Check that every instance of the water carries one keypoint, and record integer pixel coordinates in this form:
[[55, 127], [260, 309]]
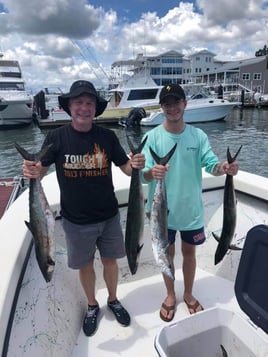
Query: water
[[248, 127]]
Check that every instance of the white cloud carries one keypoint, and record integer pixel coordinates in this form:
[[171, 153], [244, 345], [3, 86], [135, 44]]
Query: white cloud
[[44, 36]]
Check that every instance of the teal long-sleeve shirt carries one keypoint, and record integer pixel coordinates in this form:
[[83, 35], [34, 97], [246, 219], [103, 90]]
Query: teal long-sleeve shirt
[[184, 178]]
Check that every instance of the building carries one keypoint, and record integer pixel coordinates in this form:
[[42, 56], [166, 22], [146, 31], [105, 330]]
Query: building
[[201, 67]]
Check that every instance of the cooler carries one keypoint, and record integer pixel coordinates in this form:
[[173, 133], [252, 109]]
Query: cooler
[[220, 332]]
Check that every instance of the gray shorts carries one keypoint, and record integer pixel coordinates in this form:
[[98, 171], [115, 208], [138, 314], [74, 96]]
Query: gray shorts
[[83, 240]]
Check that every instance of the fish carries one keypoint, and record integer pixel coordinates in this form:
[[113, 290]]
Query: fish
[[135, 214], [229, 215], [224, 353], [42, 219], [159, 220]]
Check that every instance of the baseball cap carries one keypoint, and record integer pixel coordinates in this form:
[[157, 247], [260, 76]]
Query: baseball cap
[[172, 89]]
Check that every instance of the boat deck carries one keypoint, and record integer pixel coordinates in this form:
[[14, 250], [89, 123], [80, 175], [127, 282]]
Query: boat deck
[[9, 190], [143, 299], [48, 318]]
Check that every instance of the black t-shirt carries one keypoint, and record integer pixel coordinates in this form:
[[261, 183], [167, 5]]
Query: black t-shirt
[[83, 167]]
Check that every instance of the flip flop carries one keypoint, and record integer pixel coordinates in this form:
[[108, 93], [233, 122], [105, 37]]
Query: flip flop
[[194, 308], [167, 309]]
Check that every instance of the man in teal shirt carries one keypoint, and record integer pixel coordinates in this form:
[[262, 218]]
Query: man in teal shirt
[[183, 179]]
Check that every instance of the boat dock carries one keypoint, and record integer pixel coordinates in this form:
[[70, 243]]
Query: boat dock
[[9, 190]]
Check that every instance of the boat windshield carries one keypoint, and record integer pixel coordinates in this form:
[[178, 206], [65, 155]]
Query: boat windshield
[[142, 94]]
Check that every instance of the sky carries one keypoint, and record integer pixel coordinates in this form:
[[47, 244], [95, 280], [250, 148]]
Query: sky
[[60, 41]]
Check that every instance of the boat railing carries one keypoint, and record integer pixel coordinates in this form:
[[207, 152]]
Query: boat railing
[[17, 184]]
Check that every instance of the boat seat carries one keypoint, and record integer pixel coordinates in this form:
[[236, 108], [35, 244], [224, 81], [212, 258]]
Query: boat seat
[[251, 284]]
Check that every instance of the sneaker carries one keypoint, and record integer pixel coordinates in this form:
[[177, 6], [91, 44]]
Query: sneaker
[[90, 320], [121, 314]]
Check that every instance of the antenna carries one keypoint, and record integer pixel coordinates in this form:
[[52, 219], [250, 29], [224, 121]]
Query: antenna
[[81, 50]]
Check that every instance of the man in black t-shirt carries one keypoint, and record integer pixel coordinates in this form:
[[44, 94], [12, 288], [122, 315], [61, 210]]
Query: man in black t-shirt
[[83, 154]]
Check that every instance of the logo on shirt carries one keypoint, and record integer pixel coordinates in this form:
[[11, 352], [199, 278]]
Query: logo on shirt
[[87, 165]]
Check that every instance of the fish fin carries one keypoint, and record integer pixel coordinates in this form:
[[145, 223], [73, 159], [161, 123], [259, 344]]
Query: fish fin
[[28, 226], [234, 247], [163, 160], [139, 248], [224, 353], [231, 158], [50, 261], [215, 236]]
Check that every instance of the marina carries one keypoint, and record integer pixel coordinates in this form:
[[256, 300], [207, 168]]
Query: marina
[[129, 53], [248, 127], [140, 293]]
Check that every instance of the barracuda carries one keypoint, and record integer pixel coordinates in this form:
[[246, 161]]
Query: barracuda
[[135, 214], [159, 218], [42, 220], [229, 215]]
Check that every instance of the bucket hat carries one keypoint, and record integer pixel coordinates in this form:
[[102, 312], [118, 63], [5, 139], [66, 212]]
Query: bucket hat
[[78, 88], [172, 89]]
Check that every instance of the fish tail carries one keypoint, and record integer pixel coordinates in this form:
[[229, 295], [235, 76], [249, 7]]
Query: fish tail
[[136, 150], [169, 273], [231, 158], [163, 160], [32, 156]]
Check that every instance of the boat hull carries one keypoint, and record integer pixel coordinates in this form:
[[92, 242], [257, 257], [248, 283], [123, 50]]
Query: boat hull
[[119, 113], [207, 112], [14, 113]]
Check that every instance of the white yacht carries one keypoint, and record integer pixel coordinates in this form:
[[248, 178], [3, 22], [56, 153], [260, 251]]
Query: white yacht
[[134, 91], [201, 108], [15, 103]]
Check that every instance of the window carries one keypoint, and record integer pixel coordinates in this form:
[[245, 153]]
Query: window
[[171, 60], [11, 86], [257, 76], [171, 70], [136, 94], [245, 76], [155, 71]]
